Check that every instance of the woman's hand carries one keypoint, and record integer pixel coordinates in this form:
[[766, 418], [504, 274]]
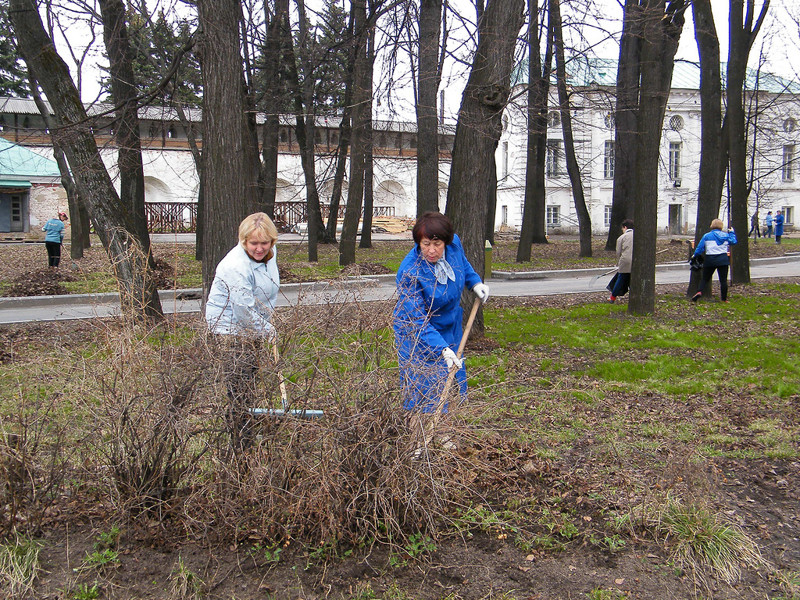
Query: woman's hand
[[481, 290], [451, 359]]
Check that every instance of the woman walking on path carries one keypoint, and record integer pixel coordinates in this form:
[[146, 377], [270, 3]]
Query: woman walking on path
[[716, 246], [622, 280], [768, 223], [54, 236]]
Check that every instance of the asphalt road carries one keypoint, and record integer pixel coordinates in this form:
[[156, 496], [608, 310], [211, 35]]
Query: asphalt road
[[539, 283]]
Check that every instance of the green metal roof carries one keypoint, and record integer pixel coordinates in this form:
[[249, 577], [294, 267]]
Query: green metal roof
[[584, 72], [16, 161]]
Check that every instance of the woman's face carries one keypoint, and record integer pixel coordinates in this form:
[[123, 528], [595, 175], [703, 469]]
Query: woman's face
[[257, 247], [432, 250]]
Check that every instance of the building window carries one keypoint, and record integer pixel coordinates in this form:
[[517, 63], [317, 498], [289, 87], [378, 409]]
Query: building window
[[789, 125], [553, 163], [675, 160], [676, 122], [610, 121], [504, 215], [608, 161], [553, 216], [787, 167], [788, 215], [553, 119], [607, 215], [505, 160]]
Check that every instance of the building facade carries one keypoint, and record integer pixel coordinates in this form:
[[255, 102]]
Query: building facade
[[171, 180]]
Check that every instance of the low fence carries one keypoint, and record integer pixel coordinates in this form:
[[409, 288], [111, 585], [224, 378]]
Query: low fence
[[181, 217]]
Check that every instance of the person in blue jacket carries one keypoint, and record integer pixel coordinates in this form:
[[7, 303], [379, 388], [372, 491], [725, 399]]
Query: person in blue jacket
[[54, 236], [427, 317], [715, 245], [768, 223], [778, 226]]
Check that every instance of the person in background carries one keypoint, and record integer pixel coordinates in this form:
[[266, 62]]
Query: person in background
[[427, 319], [624, 260], [754, 228], [778, 226], [239, 311], [54, 237], [768, 223], [715, 245]]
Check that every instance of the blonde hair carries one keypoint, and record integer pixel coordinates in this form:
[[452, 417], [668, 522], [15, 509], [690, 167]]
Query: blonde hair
[[258, 224], [717, 224]]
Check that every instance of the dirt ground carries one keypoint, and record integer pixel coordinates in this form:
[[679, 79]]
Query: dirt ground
[[762, 496]]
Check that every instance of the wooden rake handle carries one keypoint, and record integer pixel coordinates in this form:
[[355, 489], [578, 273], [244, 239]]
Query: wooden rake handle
[[284, 398], [451, 375]]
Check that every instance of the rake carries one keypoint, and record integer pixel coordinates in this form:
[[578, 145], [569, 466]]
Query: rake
[[285, 411]]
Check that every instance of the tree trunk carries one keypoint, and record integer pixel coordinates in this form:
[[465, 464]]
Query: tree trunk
[[197, 157], [534, 223], [712, 175], [369, 165], [126, 125], [229, 175], [114, 222], [430, 14], [661, 32], [306, 128], [625, 122], [742, 34], [573, 170], [272, 76], [67, 182], [479, 127], [360, 115]]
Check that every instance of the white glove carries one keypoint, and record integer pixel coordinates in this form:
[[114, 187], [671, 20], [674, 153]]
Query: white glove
[[481, 291], [451, 359]]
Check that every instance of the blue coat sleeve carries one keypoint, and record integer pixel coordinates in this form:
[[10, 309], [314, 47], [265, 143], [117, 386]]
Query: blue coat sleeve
[[412, 319], [471, 277]]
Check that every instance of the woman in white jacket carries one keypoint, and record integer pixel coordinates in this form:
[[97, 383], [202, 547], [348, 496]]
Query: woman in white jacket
[[624, 261], [239, 314]]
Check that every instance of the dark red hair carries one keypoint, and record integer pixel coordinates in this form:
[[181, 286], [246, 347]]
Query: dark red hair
[[434, 226]]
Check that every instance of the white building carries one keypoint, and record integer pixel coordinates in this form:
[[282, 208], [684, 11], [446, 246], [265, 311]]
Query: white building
[[774, 114]]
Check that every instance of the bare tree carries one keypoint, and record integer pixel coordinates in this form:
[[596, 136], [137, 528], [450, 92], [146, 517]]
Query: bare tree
[[428, 77], [230, 160], [113, 219], [743, 32], [713, 142], [479, 126], [573, 170], [126, 124], [661, 27], [625, 121], [534, 226]]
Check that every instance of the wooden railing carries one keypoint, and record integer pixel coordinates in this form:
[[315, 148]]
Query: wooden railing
[[181, 217]]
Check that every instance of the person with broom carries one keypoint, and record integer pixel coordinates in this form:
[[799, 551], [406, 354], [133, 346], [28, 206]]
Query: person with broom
[[427, 317], [238, 313]]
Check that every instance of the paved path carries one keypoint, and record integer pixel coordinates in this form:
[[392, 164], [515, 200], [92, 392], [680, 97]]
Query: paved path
[[538, 283]]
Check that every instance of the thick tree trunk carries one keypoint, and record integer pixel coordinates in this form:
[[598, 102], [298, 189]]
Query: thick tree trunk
[[430, 14], [230, 160], [573, 170], [126, 125], [742, 34], [534, 223], [479, 127], [369, 166], [360, 115], [660, 35], [625, 122], [112, 218], [712, 169]]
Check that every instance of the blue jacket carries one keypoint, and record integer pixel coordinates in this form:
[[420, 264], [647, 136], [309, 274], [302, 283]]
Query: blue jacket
[[716, 244], [54, 231], [779, 224], [426, 320]]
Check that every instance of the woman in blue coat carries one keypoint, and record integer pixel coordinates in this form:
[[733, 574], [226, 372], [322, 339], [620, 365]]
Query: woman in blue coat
[[715, 245], [778, 226], [428, 315]]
